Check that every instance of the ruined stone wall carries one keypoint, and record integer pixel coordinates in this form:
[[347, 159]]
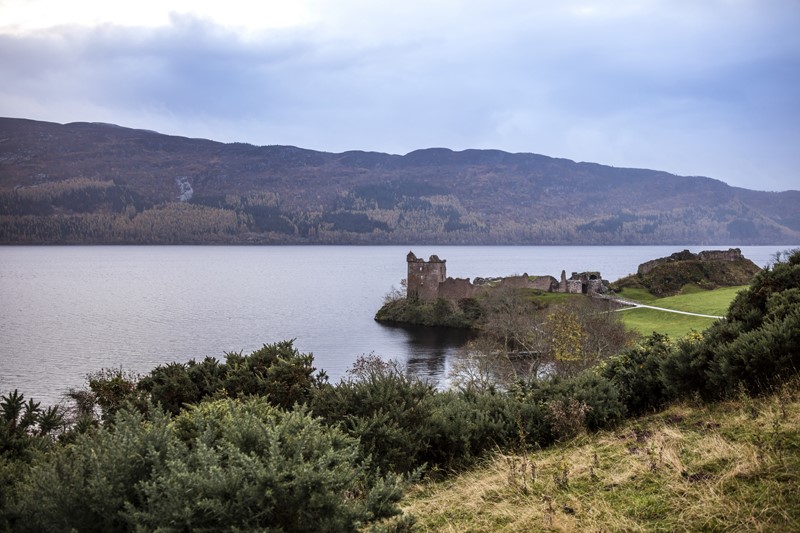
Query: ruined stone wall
[[574, 286], [562, 285], [646, 268], [595, 286], [733, 254], [545, 283], [456, 289], [515, 282], [542, 283]]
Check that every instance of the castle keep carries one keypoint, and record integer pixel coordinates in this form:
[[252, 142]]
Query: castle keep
[[424, 277], [427, 280]]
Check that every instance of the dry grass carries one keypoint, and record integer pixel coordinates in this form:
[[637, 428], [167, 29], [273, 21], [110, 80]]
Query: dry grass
[[733, 466]]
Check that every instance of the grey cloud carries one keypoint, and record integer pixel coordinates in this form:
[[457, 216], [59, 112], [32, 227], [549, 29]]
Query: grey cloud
[[650, 86]]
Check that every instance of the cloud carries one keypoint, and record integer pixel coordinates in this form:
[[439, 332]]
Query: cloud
[[693, 88]]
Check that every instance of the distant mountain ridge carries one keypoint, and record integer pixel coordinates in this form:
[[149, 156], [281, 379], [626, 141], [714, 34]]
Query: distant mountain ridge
[[101, 183]]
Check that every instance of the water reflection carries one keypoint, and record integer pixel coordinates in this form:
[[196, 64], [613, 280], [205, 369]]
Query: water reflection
[[429, 348]]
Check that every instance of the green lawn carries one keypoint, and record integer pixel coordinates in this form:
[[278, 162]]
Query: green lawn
[[646, 321], [714, 302], [637, 295], [692, 299]]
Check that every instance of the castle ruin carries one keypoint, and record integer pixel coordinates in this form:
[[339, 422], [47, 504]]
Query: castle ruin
[[424, 277], [427, 280], [732, 254]]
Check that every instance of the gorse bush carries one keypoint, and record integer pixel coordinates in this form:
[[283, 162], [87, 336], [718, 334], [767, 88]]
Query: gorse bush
[[759, 359], [278, 371], [636, 374], [26, 431], [26, 425], [222, 465], [114, 389], [382, 407], [464, 426], [87, 486], [599, 395], [404, 424]]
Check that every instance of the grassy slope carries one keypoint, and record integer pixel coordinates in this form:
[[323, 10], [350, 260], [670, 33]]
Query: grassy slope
[[691, 299], [647, 321], [732, 466]]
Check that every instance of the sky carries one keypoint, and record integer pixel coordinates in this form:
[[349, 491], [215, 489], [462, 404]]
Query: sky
[[692, 87]]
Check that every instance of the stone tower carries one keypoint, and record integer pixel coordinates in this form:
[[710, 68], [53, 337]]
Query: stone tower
[[424, 277]]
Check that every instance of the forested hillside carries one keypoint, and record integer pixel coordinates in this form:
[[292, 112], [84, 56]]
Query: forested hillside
[[100, 183]]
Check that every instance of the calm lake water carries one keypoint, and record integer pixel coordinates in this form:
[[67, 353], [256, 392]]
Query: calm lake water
[[69, 311]]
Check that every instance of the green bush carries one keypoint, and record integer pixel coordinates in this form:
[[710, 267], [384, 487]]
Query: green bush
[[760, 359], [465, 425], [600, 395], [636, 374], [605, 407], [93, 484], [26, 430], [382, 407], [685, 372], [115, 389], [171, 386], [222, 465], [750, 306], [278, 371]]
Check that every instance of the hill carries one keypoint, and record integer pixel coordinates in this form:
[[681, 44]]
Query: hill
[[667, 276], [100, 183]]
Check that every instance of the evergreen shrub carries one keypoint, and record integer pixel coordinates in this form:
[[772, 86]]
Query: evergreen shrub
[[221, 465], [465, 425], [636, 374], [382, 407]]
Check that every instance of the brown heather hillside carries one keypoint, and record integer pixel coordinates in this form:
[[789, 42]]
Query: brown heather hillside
[[100, 183]]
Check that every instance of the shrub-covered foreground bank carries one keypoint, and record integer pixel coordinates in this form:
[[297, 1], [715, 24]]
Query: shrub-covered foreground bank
[[264, 442], [727, 466]]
